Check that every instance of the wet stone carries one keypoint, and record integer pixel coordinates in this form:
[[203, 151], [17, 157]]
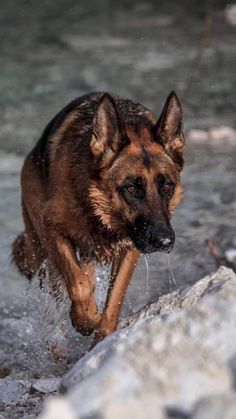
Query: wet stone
[[4, 372], [222, 406], [229, 196], [46, 385], [11, 392]]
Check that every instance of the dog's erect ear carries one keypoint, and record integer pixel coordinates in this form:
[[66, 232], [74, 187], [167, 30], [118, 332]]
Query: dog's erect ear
[[168, 130], [108, 136]]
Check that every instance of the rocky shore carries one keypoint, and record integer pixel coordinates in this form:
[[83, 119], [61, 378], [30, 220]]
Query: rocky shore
[[176, 359]]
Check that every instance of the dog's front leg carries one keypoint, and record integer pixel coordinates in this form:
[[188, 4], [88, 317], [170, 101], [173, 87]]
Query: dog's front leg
[[122, 271], [79, 282]]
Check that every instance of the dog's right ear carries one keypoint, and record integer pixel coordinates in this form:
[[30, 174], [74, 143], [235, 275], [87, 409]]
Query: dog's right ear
[[108, 135], [168, 130]]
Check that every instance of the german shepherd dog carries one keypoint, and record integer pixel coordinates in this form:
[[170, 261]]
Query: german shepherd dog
[[100, 186]]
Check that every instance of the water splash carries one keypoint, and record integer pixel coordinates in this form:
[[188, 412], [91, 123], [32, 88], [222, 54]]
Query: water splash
[[147, 284], [171, 276], [102, 282], [42, 340]]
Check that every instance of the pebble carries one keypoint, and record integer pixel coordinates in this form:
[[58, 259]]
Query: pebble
[[46, 385]]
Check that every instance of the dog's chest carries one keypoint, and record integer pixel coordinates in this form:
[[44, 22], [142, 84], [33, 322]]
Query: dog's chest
[[102, 251]]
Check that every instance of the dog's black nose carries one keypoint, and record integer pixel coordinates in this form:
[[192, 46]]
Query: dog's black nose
[[152, 237], [161, 237], [162, 243]]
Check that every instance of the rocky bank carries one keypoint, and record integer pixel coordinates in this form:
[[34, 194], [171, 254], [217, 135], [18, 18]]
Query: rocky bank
[[175, 359]]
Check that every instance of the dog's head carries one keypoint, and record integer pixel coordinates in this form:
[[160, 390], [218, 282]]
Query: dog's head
[[137, 181]]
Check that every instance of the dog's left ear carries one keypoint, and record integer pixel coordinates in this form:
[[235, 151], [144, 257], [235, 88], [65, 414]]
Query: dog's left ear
[[168, 130], [108, 135]]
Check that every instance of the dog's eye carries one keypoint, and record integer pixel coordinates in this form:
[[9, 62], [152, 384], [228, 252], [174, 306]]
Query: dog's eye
[[131, 189], [167, 187]]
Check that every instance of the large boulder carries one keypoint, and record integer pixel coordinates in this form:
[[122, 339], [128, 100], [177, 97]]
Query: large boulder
[[175, 359]]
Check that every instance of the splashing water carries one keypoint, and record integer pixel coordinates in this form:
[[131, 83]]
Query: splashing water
[[130, 305], [41, 340], [102, 281], [147, 284], [38, 338], [171, 276]]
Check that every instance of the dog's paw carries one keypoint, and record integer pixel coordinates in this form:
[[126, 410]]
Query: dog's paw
[[104, 329], [98, 337], [84, 321]]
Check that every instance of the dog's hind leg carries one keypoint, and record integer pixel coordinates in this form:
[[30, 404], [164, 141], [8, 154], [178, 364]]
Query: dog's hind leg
[[121, 275], [27, 252]]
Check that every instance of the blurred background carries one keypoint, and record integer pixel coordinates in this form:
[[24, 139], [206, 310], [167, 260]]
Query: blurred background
[[52, 52]]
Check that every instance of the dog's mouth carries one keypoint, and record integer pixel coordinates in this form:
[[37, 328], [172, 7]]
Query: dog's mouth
[[150, 238]]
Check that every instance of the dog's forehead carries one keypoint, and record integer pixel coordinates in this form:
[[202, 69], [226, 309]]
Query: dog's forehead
[[143, 146], [143, 157]]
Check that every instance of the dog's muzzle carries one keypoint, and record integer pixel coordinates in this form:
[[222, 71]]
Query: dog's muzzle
[[149, 238]]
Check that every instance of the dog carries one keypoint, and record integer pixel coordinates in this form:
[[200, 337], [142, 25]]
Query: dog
[[100, 186]]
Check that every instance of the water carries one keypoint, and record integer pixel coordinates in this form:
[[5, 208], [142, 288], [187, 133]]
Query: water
[[102, 281], [147, 284], [171, 274], [40, 340]]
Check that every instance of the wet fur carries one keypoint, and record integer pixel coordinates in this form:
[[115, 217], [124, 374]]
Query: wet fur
[[71, 199]]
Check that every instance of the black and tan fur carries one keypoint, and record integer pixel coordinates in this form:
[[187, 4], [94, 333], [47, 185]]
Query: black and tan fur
[[103, 180]]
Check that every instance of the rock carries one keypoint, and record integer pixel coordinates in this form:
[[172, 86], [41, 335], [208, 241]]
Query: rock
[[46, 385], [230, 255], [182, 299], [219, 134], [4, 372], [11, 392], [163, 361], [57, 409], [139, 408], [222, 406], [216, 134], [10, 163], [198, 136], [230, 14]]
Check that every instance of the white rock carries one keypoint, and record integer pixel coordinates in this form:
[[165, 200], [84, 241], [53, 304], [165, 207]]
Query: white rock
[[216, 134], [10, 163], [230, 255], [230, 14], [221, 407], [219, 134], [198, 136], [57, 409], [46, 385], [140, 408], [171, 356]]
